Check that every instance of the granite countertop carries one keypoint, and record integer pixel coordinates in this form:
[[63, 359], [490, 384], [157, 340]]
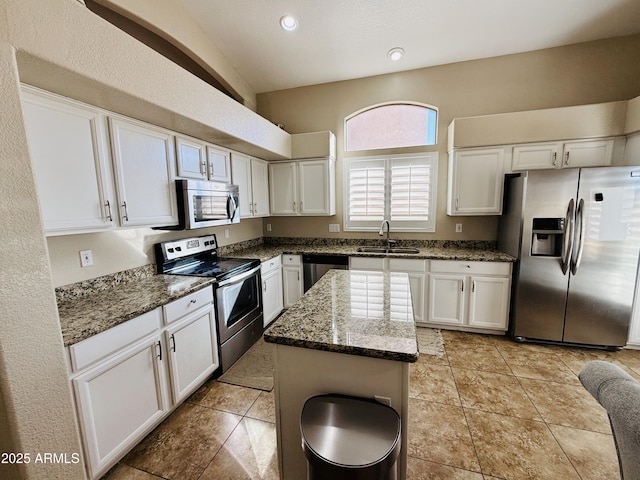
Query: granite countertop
[[265, 252], [86, 315], [358, 313]]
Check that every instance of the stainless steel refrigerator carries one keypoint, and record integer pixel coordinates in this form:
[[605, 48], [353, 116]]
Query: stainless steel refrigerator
[[576, 235]]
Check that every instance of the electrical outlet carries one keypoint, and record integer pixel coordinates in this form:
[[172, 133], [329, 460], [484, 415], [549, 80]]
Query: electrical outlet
[[334, 227], [226, 233], [268, 227], [86, 258], [458, 228]]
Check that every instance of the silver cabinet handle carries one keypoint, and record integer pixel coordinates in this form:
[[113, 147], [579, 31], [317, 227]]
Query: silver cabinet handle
[[173, 343], [462, 285], [566, 158], [109, 216], [159, 350], [264, 287], [555, 159], [211, 169], [203, 168], [125, 217]]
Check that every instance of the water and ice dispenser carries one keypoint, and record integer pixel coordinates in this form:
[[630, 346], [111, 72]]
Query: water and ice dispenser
[[547, 237]]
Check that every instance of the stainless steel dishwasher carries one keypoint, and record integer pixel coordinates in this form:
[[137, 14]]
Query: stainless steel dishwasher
[[315, 266]]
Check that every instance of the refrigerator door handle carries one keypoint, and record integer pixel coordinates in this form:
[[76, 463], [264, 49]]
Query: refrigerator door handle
[[569, 227], [575, 260]]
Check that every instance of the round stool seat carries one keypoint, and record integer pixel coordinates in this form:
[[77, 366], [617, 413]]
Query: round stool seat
[[348, 437]]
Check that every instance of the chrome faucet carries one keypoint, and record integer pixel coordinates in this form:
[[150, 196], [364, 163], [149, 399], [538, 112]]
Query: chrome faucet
[[385, 222]]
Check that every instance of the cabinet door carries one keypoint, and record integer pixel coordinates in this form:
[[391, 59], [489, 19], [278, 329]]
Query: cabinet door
[[260, 187], [71, 163], [193, 352], [283, 195], [241, 176], [313, 177], [292, 284], [144, 162], [119, 401], [597, 153], [219, 164], [190, 156], [489, 302], [476, 180], [538, 156], [446, 298], [416, 270], [272, 302]]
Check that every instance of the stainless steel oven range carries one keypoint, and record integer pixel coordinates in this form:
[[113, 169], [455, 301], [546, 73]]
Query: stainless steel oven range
[[237, 292]]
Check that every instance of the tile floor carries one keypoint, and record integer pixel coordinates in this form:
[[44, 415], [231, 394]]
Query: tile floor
[[489, 408]]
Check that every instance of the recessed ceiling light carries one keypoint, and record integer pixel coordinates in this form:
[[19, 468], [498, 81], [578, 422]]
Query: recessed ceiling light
[[395, 53], [288, 23]]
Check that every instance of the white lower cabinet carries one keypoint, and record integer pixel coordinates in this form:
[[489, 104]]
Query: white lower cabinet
[[127, 379], [272, 301], [469, 295], [119, 401], [292, 281], [415, 268], [192, 352]]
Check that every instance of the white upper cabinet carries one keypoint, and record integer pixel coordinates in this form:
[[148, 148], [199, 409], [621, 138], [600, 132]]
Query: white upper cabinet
[[475, 183], [594, 153], [71, 163], [190, 157], [303, 187], [144, 160], [251, 176], [202, 161], [219, 164], [283, 188]]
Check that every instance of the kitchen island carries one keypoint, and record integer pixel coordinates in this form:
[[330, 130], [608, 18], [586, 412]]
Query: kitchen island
[[352, 333]]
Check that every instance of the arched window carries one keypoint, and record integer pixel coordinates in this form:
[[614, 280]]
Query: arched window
[[399, 187], [391, 125]]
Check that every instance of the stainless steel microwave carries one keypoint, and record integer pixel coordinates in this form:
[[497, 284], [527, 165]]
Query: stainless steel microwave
[[204, 204]]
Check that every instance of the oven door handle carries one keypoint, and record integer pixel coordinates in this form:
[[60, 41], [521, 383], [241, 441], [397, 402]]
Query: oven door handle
[[239, 278]]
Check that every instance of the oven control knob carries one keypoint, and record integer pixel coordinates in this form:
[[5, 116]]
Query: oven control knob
[[170, 250], [178, 249]]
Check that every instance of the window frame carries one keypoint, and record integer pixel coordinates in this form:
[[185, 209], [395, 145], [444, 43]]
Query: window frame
[[428, 226]]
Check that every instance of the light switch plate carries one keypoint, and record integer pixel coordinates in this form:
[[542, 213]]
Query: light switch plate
[[86, 258], [334, 227]]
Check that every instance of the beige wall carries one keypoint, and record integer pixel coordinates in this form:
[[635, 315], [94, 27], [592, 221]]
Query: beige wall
[[127, 248], [170, 20], [596, 72]]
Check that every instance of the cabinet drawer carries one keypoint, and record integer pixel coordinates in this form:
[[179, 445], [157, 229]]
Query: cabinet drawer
[[192, 302], [407, 265], [270, 265], [470, 268], [366, 263], [86, 352], [291, 259]]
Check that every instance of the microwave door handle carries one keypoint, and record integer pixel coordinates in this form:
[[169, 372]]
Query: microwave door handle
[[567, 245], [575, 261], [231, 207]]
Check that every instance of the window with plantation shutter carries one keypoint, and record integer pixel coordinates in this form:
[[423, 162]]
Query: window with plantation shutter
[[400, 189]]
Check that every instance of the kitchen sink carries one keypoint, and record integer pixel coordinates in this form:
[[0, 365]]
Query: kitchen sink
[[387, 250]]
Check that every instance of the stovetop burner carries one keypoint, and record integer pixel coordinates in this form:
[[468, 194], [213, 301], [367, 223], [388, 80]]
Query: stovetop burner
[[198, 257]]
